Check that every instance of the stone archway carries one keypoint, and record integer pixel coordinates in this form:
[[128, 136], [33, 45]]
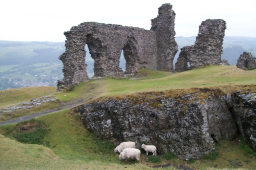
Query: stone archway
[[183, 63], [130, 55], [97, 51]]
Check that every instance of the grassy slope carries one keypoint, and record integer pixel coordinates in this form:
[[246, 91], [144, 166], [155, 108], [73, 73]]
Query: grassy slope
[[147, 80], [72, 147], [205, 77], [14, 96], [77, 148]]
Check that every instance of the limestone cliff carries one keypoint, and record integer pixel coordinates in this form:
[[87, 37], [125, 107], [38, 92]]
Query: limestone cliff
[[185, 122]]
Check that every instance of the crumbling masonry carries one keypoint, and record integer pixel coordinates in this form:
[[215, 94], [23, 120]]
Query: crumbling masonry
[[246, 61], [207, 48], [153, 49]]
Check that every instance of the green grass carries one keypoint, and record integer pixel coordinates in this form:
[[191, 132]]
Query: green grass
[[148, 80], [24, 94], [6, 67], [154, 159], [247, 151], [31, 131], [13, 96], [168, 156], [73, 147], [191, 160], [212, 156], [205, 77]]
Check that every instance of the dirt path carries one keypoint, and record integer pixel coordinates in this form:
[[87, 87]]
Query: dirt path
[[91, 92], [63, 106]]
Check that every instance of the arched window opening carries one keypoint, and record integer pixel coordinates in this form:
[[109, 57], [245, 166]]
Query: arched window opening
[[122, 61], [188, 63], [89, 61]]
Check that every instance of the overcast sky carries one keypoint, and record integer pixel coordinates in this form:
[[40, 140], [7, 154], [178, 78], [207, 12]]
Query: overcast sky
[[46, 20]]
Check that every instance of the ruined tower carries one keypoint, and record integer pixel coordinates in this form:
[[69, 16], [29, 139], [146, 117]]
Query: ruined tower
[[207, 48], [163, 26]]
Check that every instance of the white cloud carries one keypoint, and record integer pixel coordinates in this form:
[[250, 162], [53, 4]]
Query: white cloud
[[30, 20]]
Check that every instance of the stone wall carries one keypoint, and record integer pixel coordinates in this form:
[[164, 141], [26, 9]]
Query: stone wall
[[207, 48], [153, 49], [163, 26], [246, 61], [185, 122], [106, 42]]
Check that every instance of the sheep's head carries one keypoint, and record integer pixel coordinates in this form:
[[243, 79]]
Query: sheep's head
[[116, 149], [142, 146]]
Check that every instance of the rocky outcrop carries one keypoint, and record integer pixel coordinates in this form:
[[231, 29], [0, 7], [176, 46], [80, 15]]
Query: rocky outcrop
[[243, 109], [163, 26], [224, 62], [185, 122], [153, 49], [246, 61], [207, 48]]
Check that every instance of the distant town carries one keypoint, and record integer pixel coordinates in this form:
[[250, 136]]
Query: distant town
[[42, 80]]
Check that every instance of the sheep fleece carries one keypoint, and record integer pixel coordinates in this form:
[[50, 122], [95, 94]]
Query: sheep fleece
[[149, 148], [130, 153], [124, 145]]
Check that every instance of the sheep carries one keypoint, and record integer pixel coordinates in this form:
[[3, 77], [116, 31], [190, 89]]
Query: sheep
[[124, 145], [130, 153], [149, 148]]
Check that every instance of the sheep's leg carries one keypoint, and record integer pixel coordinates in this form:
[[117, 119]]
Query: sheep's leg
[[147, 152]]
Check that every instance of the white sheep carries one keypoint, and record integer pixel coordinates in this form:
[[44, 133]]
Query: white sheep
[[124, 145], [149, 148], [130, 153]]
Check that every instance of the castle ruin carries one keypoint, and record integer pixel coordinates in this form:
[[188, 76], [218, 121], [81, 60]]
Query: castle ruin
[[207, 48], [153, 49]]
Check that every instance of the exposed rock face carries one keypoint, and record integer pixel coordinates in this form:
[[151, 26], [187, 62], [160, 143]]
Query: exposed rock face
[[246, 61], [207, 48], [244, 112], [187, 123], [153, 49], [167, 47]]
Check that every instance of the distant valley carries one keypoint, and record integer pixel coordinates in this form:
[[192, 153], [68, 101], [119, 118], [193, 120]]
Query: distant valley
[[29, 64]]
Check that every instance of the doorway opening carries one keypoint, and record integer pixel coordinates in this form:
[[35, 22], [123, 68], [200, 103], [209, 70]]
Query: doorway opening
[[188, 63], [89, 61], [122, 61]]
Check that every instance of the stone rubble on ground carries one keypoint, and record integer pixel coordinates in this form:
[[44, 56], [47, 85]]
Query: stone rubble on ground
[[10, 110]]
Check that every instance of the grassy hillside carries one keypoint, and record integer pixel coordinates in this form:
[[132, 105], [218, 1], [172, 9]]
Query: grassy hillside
[[146, 80], [14, 96], [30, 64], [71, 146], [157, 81]]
